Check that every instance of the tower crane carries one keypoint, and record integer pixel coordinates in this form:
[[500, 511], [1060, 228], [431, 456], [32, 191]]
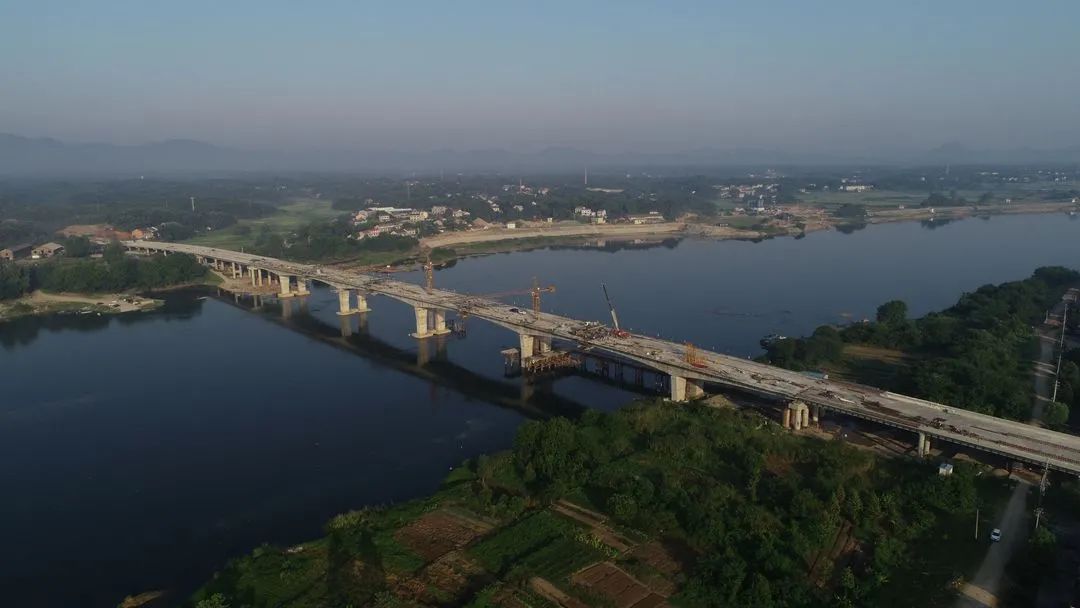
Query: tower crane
[[429, 271], [616, 331], [534, 291]]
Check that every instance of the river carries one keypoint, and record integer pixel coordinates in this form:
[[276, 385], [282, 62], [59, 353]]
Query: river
[[141, 452]]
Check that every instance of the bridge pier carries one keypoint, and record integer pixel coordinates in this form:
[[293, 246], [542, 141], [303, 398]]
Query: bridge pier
[[285, 284], [685, 389], [345, 306], [438, 316], [345, 303], [430, 322], [797, 416], [528, 346], [923, 447]]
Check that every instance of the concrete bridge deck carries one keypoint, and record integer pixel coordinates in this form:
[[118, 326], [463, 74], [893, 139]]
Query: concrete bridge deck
[[1014, 440]]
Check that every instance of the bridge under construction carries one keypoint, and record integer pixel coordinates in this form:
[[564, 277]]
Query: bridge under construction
[[689, 369]]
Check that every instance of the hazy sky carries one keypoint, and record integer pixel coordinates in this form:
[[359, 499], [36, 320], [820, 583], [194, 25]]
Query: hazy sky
[[609, 76]]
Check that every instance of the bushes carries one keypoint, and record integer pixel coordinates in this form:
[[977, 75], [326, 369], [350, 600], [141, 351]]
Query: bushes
[[116, 273], [14, 281], [974, 355]]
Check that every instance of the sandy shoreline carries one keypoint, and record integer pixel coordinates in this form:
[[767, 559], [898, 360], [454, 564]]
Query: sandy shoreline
[[511, 238], [40, 302]]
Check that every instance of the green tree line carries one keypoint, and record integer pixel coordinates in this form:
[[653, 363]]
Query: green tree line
[[115, 271], [975, 355]]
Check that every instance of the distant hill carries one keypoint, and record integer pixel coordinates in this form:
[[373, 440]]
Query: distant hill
[[43, 157]]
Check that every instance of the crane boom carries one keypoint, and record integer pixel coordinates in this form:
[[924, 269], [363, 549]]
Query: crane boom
[[616, 331], [611, 307]]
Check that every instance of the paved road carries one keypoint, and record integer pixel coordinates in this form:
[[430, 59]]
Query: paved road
[[983, 589]]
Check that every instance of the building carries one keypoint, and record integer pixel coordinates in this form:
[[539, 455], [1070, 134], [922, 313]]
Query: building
[[47, 250], [143, 234], [511, 225], [15, 252], [652, 217]]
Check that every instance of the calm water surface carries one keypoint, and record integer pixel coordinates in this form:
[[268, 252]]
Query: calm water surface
[[141, 452]]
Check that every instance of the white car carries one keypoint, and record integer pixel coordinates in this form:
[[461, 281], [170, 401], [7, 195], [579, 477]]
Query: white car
[[995, 535]]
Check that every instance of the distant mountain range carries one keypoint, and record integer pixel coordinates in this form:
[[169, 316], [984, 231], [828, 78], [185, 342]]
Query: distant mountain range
[[23, 156]]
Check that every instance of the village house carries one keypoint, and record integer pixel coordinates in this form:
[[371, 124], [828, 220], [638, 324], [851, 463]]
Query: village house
[[652, 217], [15, 252], [47, 250]]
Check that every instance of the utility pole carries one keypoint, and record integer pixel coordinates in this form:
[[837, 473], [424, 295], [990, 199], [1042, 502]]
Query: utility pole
[[1061, 351], [193, 204]]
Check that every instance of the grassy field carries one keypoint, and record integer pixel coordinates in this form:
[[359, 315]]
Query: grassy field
[[288, 217], [874, 198], [871, 365]]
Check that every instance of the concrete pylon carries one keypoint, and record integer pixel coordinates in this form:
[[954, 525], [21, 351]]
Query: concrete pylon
[[685, 389], [361, 302], [303, 287], [544, 343], [285, 286], [787, 417], [805, 413], [527, 346], [254, 276], [816, 414], [422, 330], [345, 302], [439, 324], [921, 448]]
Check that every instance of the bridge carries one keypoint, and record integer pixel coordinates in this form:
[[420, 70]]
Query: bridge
[[808, 398]]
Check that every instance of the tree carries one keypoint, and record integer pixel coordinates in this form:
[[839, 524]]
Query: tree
[[14, 281], [1057, 414], [214, 601], [77, 247], [893, 314]]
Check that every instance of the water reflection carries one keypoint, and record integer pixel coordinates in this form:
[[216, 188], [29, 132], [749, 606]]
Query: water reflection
[[179, 305]]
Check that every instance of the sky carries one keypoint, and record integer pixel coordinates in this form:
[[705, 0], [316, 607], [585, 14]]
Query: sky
[[607, 76]]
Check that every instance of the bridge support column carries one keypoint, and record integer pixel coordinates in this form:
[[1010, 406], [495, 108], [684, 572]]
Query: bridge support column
[[544, 344], [685, 389], [439, 317], [253, 275], [285, 284], [345, 302], [422, 330], [236, 272], [816, 414], [923, 446], [796, 416], [528, 346], [303, 287], [361, 302]]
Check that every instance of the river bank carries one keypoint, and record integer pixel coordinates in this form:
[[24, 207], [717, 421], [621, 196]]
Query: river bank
[[797, 221], [285, 422], [44, 303]]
